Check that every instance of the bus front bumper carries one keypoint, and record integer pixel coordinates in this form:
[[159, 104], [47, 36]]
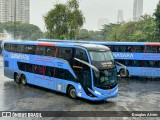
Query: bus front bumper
[[103, 94]]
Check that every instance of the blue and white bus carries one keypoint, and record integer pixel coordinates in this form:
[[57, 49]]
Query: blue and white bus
[[79, 70], [141, 58]]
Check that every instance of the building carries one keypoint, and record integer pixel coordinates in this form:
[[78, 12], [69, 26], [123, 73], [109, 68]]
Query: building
[[14, 10], [120, 16], [137, 9], [101, 22]]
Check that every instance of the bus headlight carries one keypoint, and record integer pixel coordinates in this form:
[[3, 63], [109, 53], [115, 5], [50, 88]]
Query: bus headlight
[[95, 91]]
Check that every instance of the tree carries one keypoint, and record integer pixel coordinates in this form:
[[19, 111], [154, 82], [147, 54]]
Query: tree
[[23, 30], [157, 15], [83, 35], [143, 30], [64, 20]]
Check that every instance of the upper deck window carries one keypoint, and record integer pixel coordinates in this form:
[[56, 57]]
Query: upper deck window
[[65, 53], [50, 51], [139, 49], [81, 54], [128, 48], [152, 49], [7, 47], [14, 48], [41, 50], [29, 49]]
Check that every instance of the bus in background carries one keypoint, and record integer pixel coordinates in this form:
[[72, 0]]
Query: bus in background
[[141, 58], [79, 70]]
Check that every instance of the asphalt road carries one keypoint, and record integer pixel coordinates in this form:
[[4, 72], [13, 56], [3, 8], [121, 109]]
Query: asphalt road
[[135, 94]]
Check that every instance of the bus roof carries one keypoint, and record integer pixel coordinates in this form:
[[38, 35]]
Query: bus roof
[[95, 42], [61, 44], [102, 42]]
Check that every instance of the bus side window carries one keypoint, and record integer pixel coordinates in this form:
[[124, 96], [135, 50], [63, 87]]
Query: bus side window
[[49, 71], [81, 54], [110, 47], [19, 50], [65, 53], [64, 74], [50, 51], [139, 49], [29, 68], [158, 49], [154, 49], [122, 48], [151, 49], [151, 63], [38, 69], [130, 49], [21, 66], [145, 64], [14, 47], [41, 50], [121, 61], [128, 62], [116, 48], [30, 49], [7, 47], [157, 64], [113, 48], [136, 63]]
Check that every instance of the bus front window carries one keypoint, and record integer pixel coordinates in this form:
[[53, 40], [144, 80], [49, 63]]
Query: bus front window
[[101, 59], [104, 61]]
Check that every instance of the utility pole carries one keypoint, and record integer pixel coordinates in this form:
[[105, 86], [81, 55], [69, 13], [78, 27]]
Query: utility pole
[[15, 20]]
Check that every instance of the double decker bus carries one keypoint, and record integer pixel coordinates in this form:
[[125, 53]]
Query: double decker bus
[[140, 58], [79, 70]]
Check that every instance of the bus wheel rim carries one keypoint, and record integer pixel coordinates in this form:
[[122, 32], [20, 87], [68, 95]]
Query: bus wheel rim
[[23, 80], [17, 78], [73, 93]]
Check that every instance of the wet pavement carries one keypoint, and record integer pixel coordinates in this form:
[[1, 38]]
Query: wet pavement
[[135, 94]]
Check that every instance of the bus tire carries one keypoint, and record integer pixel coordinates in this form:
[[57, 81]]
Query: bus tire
[[71, 92], [23, 80], [123, 73], [16, 78]]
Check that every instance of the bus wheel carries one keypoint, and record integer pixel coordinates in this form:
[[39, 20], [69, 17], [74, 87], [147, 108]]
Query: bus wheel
[[16, 78], [72, 92], [23, 80], [123, 73]]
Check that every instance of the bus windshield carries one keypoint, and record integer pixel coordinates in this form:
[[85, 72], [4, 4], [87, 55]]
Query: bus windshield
[[102, 58]]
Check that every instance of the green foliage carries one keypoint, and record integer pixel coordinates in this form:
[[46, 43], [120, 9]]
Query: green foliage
[[89, 35], [22, 30], [157, 15], [143, 30], [64, 20]]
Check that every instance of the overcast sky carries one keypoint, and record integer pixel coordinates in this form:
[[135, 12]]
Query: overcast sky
[[92, 10]]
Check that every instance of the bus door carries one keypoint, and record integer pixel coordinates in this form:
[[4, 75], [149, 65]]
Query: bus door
[[81, 70]]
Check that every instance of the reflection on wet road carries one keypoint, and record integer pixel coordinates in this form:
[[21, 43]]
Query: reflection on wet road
[[135, 94]]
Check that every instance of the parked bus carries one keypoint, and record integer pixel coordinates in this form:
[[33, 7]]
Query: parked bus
[[79, 70], [141, 58]]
